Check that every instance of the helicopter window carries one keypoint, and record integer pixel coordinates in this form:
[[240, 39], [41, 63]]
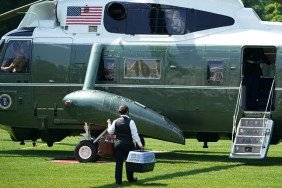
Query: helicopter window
[[138, 15], [200, 20], [142, 68], [106, 70], [159, 19], [1, 47], [175, 20], [16, 58], [215, 72]]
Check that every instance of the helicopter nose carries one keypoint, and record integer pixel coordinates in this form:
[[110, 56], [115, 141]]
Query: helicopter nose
[[69, 99], [70, 103], [67, 103], [82, 105]]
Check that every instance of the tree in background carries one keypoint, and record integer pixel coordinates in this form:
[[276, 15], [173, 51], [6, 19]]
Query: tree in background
[[267, 10], [273, 12], [12, 23], [257, 5]]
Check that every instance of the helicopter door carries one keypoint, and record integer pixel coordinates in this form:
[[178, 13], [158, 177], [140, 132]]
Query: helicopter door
[[183, 74], [51, 77], [79, 59], [15, 78], [258, 77]]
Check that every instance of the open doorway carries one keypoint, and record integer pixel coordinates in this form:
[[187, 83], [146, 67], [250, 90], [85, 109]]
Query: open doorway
[[258, 74]]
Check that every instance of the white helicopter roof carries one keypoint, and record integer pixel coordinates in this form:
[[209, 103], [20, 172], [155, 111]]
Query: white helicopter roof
[[44, 14], [44, 17], [225, 7]]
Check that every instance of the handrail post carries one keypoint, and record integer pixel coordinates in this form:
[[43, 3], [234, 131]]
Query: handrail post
[[268, 100], [269, 97], [236, 111]]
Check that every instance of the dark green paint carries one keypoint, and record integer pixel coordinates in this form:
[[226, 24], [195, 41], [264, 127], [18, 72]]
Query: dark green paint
[[182, 94]]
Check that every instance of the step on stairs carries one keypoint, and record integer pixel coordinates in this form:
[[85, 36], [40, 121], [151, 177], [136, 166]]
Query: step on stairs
[[252, 138]]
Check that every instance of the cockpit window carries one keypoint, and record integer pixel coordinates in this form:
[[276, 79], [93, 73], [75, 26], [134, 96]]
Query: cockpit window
[[149, 18], [17, 56]]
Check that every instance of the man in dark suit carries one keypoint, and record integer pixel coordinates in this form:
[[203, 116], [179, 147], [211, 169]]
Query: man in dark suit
[[126, 131], [253, 57]]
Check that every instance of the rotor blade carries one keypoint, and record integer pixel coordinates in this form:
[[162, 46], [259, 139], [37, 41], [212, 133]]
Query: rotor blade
[[14, 12]]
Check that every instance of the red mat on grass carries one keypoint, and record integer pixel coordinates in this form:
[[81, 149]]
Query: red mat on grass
[[75, 161]]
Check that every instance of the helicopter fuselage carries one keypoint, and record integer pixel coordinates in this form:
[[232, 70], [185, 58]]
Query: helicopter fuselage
[[191, 77]]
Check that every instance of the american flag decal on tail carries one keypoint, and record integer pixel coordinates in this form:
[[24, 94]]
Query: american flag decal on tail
[[85, 15]]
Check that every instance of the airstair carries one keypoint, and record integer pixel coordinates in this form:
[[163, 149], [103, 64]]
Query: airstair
[[252, 135]]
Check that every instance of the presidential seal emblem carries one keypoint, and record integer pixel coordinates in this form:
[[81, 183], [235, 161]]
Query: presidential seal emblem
[[5, 101]]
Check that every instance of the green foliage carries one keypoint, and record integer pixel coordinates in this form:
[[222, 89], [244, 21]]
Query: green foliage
[[273, 12], [268, 10], [257, 5]]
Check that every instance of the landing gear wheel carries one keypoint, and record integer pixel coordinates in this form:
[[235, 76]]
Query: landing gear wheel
[[86, 151]]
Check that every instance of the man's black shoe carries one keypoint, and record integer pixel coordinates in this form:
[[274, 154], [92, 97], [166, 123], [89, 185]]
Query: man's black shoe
[[133, 180]]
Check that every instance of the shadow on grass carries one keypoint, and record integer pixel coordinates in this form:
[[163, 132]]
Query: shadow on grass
[[181, 174], [180, 156], [174, 157], [54, 154], [37, 151]]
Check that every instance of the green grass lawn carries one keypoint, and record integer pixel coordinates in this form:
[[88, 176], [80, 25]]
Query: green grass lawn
[[177, 166]]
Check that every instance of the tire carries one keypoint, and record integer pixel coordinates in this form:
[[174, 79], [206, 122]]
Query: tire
[[86, 151]]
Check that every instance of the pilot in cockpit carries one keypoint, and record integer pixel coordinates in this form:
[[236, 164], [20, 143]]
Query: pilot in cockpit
[[19, 61], [175, 21]]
